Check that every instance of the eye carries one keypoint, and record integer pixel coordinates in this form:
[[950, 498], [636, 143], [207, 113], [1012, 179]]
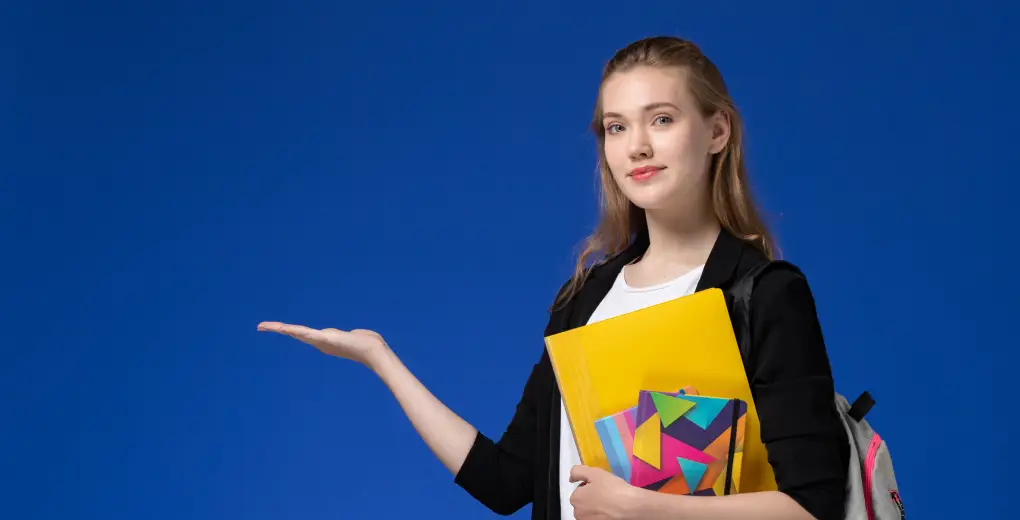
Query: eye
[[664, 120], [614, 128]]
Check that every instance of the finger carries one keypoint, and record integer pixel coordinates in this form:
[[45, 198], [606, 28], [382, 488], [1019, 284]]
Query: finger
[[580, 474], [298, 332], [269, 325]]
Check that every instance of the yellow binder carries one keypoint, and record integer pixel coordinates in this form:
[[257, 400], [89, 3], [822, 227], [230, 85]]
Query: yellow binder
[[689, 341]]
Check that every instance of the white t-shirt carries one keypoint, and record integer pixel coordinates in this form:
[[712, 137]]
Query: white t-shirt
[[621, 299]]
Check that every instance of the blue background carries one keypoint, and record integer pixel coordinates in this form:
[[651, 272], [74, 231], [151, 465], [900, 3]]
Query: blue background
[[175, 172]]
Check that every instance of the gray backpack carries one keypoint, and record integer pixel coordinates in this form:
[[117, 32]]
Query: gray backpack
[[872, 492]]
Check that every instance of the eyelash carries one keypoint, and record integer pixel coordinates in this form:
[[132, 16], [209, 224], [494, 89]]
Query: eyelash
[[610, 127]]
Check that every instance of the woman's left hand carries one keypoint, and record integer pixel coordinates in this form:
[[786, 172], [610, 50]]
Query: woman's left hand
[[602, 495]]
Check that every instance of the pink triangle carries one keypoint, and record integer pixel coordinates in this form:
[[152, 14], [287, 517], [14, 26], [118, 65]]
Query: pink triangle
[[673, 448], [643, 474]]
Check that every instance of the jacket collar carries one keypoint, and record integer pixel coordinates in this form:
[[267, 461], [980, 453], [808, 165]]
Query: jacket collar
[[723, 261], [720, 269]]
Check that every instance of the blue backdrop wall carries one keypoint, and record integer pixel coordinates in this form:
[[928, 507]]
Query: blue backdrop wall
[[175, 172]]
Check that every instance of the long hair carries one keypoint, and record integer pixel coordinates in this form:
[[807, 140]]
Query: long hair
[[621, 221]]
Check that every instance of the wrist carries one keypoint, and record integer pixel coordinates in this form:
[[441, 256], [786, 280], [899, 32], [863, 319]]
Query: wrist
[[377, 360], [651, 505], [638, 502], [635, 502]]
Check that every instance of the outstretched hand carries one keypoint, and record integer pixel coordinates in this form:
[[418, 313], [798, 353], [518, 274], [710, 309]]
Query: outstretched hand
[[357, 345]]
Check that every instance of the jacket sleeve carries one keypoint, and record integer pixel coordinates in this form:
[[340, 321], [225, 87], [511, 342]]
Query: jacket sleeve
[[500, 474], [794, 393]]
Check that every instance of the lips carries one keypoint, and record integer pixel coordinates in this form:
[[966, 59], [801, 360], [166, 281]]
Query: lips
[[644, 172]]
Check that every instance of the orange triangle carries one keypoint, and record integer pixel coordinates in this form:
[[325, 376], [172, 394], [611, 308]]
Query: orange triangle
[[676, 486], [715, 469]]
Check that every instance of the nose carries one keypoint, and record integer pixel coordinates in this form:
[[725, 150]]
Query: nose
[[639, 147]]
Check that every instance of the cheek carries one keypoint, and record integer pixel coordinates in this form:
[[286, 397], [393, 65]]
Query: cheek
[[683, 152], [616, 156], [673, 147]]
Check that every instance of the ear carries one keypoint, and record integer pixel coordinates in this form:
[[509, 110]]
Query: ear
[[720, 125]]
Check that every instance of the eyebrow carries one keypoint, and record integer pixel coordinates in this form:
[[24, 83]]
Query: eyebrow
[[647, 108]]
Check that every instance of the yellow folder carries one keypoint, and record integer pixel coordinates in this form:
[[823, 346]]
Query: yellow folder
[[689, 341]]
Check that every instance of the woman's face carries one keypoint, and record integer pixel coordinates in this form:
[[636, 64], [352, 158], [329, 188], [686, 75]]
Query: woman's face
[[658, 145]]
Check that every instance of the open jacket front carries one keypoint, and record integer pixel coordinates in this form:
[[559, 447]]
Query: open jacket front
[[788, 368]]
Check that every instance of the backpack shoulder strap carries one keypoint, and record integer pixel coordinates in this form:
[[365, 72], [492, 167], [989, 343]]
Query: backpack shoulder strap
[[741, 292]]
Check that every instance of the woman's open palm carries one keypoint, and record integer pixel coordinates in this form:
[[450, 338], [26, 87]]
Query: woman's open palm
[[358, 345]]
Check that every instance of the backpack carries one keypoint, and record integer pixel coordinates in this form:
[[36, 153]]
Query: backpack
[[872, 492]]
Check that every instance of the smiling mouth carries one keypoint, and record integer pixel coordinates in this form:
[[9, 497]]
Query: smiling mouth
[[645, 172]]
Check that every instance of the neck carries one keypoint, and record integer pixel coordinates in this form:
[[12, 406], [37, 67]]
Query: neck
[[684, 241]]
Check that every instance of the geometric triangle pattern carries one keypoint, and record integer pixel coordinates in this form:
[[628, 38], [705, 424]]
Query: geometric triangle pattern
[[705, 409], [616, 434], [647, 442], [670, 408], [692, 471], [682, 443], [645, 474]]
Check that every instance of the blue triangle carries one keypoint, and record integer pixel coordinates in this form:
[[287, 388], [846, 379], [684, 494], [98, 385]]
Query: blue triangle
[[693, 471], [705, 409]]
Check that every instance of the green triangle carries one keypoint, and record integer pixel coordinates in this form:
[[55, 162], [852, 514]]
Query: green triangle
[[670, 408]]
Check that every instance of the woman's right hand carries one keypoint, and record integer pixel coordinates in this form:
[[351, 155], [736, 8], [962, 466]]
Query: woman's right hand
[[363, 346], [447, 435]]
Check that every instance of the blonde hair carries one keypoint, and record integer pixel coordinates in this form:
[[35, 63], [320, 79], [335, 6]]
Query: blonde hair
[[622, 222]]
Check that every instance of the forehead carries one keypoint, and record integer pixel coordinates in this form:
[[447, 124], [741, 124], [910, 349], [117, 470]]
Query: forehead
[[632, 89]]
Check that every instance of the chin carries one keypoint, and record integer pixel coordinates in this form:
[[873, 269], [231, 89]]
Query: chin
[[649, 198], [651, 206]]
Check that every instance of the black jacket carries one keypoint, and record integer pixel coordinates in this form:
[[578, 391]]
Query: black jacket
[[791, 383]]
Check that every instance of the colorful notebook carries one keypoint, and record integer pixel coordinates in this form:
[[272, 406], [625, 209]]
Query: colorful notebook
[[616, 434], [602, 367], [688, 444], [678, 420]]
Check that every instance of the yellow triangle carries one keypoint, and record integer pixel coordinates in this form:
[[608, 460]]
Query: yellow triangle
[[738, 459], [647, 437], [719, 486], [720, 483]]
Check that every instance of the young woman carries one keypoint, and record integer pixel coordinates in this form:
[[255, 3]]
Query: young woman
[[677, 218]]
